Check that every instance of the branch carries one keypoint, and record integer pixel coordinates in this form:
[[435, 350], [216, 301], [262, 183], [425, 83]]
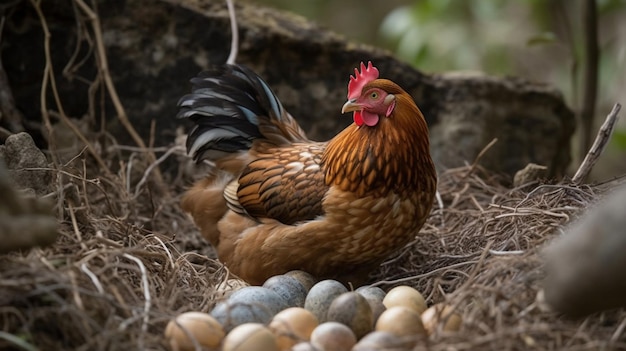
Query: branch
[[604, 135], [108, 81]]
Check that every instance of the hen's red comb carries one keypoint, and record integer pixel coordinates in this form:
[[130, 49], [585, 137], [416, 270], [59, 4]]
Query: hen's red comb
[[358, 81]]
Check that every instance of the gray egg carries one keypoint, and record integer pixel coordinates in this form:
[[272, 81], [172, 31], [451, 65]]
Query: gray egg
[[306, 279], [321, 296], [374, 296], [289, 288], [252, 304]]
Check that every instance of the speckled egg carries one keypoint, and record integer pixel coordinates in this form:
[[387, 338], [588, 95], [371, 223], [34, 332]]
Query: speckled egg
[[321, 296], [250, 336], [203, 328], [253, 304], [333, 336], [306, 279], [441, 314], [400, 321], [374, 296], [292, 326], [405, 296], [289, 288], [353, 310]]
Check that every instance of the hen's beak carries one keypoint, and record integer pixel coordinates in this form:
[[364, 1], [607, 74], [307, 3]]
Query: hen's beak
[[351, 105]]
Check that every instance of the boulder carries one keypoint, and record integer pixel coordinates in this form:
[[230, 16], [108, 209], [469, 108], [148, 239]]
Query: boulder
[[155, 46]]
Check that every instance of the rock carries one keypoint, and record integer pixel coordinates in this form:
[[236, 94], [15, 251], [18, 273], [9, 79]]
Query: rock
[[155, 47], [585, 266], [26, 163], [531, 173]]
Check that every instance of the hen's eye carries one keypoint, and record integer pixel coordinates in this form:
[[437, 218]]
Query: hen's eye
[[374, 95]]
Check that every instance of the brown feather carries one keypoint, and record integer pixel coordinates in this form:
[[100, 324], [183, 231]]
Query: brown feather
[[393, 157], [335, 210], [284, 183]]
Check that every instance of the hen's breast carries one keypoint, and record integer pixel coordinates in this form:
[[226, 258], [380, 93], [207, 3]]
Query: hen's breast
[[370, 228]]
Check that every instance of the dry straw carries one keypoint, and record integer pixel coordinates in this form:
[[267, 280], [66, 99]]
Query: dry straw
[[128, 259]]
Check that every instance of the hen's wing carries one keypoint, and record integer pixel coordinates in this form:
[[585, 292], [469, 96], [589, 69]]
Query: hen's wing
[[282, 183]]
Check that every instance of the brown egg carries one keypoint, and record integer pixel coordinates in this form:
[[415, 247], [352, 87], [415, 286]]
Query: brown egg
[[441, 315], [198, 326], [293, 325], [333, 336], [405, 296], [250, 336], [229, 286], [400, 321], [353, 310]]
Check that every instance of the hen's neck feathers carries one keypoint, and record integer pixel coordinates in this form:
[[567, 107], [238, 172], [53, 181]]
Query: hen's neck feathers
[[393, 156]]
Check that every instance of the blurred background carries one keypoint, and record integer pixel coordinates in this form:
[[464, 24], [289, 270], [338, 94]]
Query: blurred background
[[540, 40]]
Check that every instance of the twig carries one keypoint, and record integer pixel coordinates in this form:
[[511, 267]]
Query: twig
[[479, 156], [108, 81], [146, 293], [234, 42], [603, 137], [420, 276], [93, 277], [153, 166], [48, 76]]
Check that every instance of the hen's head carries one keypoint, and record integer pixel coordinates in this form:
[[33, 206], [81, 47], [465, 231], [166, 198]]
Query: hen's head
[[367, 97]]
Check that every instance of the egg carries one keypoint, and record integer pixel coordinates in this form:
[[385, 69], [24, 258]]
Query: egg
[[321, 296], [305, 346], [306, 279], [224, 289], [405, 296], [438, 314], [206, 331], [400, 321], [353, 310], [333, 336], [380, 340], [250, 336], [252, 304], [289, 288], [292, 325], [374, 296]]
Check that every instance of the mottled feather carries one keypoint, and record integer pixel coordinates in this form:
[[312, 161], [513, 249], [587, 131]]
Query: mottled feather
[[276, 201]]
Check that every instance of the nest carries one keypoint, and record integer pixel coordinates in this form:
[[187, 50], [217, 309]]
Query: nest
[[128, 259]]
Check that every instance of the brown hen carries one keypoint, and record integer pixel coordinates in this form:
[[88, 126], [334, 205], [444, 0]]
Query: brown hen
[[275, 201]]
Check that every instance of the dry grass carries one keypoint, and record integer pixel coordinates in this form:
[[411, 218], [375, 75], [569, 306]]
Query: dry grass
[[128, 259]]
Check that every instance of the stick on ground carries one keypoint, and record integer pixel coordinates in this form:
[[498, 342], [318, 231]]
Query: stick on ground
[[603, 137]]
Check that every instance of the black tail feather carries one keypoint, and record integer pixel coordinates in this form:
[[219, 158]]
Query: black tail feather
[[227, 105]]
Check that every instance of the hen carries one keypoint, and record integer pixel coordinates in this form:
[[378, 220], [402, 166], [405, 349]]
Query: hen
[[275, 201]]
